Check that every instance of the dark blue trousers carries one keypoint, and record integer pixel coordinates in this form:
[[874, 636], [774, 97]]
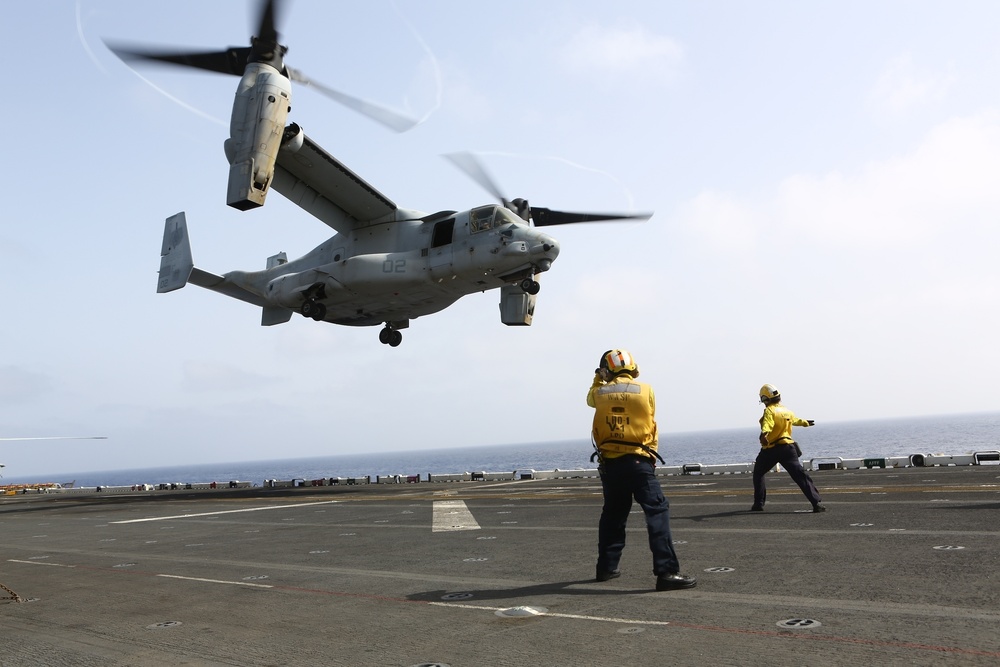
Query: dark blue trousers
[[623, 479], [786, 456]]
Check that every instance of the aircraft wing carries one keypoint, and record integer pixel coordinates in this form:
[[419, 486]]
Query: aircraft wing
[[317, 182]]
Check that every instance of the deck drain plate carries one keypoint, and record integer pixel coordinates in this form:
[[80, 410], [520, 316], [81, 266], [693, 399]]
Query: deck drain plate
[[456, 596], [164, 624], [799, 623]]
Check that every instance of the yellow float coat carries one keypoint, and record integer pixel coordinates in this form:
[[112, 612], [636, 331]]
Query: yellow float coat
[[776, 424], [624, 417]]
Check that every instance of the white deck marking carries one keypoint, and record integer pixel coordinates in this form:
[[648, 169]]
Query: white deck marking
[[247, 509], [605, 619], [216, 581], [452, 515], [35, 562]]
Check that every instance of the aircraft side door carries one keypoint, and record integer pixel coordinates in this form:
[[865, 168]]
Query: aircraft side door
[[440, 254]]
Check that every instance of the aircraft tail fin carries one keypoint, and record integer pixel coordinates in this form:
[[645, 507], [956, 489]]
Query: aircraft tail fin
[[176, 264], [177, 268], [275, 314]]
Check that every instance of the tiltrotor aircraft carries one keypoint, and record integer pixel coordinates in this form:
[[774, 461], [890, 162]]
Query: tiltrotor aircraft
[[386, 265]]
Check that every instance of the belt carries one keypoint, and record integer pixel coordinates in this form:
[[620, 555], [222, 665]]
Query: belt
[[638, 457]]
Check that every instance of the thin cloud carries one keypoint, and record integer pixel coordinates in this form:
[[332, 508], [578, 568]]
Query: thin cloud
[[627, 50], [947, 183], [944, 187], [901, 87]]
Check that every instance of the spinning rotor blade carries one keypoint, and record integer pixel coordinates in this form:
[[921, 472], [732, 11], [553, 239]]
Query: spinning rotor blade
[[540, 217], [544, 217], [391, 119], [264, 48], [231, 61], [473, 168], [267, 31]]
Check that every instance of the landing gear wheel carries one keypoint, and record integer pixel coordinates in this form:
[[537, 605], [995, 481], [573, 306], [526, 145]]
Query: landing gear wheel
[[390, 337], [530, 286], [318, 311], [308, 307]]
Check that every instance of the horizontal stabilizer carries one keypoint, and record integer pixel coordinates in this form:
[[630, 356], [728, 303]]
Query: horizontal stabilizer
[[177, 268], [223, 285]]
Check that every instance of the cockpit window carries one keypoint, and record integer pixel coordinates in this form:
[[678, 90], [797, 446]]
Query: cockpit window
[[505, 216], [481, 219]]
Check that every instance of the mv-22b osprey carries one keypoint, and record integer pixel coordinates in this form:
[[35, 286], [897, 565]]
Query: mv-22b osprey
[[386, 265]]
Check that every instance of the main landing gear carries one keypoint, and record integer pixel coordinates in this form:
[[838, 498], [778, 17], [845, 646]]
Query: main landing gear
[[313, 309], [389, 336]]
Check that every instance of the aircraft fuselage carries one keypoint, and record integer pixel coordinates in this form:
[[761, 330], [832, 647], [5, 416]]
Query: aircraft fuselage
[[405, 268]]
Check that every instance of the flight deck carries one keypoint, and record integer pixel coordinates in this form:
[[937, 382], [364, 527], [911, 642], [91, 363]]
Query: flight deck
[[902, 569]]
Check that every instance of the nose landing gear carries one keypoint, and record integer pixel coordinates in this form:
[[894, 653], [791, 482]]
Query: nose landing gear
[[530, 286]]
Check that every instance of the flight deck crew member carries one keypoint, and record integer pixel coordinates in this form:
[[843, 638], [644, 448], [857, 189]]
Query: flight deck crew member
[[777, 446], [626, 440]]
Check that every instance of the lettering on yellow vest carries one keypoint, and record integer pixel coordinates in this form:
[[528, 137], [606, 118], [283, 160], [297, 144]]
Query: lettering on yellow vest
[[623, 423]]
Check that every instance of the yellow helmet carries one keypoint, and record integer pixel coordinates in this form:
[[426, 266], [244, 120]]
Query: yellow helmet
[[619, 361], [769, 393]]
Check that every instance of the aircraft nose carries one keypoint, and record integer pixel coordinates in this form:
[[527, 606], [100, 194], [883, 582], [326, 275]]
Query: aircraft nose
[[544, 251]]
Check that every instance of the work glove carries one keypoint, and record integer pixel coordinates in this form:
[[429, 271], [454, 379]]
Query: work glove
[[811, 422]]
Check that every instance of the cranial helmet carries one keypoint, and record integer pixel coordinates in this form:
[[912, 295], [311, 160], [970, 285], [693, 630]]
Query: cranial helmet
[[619, 361], [769, 393]]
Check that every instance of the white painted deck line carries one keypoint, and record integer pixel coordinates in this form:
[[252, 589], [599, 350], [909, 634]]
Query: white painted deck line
[[452, 515]]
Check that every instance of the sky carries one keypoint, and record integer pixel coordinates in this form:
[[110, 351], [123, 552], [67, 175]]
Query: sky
[[823, 177]]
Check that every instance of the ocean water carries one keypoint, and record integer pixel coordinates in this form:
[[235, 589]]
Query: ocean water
[[949, 434]]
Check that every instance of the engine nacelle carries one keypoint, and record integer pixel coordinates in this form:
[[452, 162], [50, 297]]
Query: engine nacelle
[[517, 308], [261, 107]]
